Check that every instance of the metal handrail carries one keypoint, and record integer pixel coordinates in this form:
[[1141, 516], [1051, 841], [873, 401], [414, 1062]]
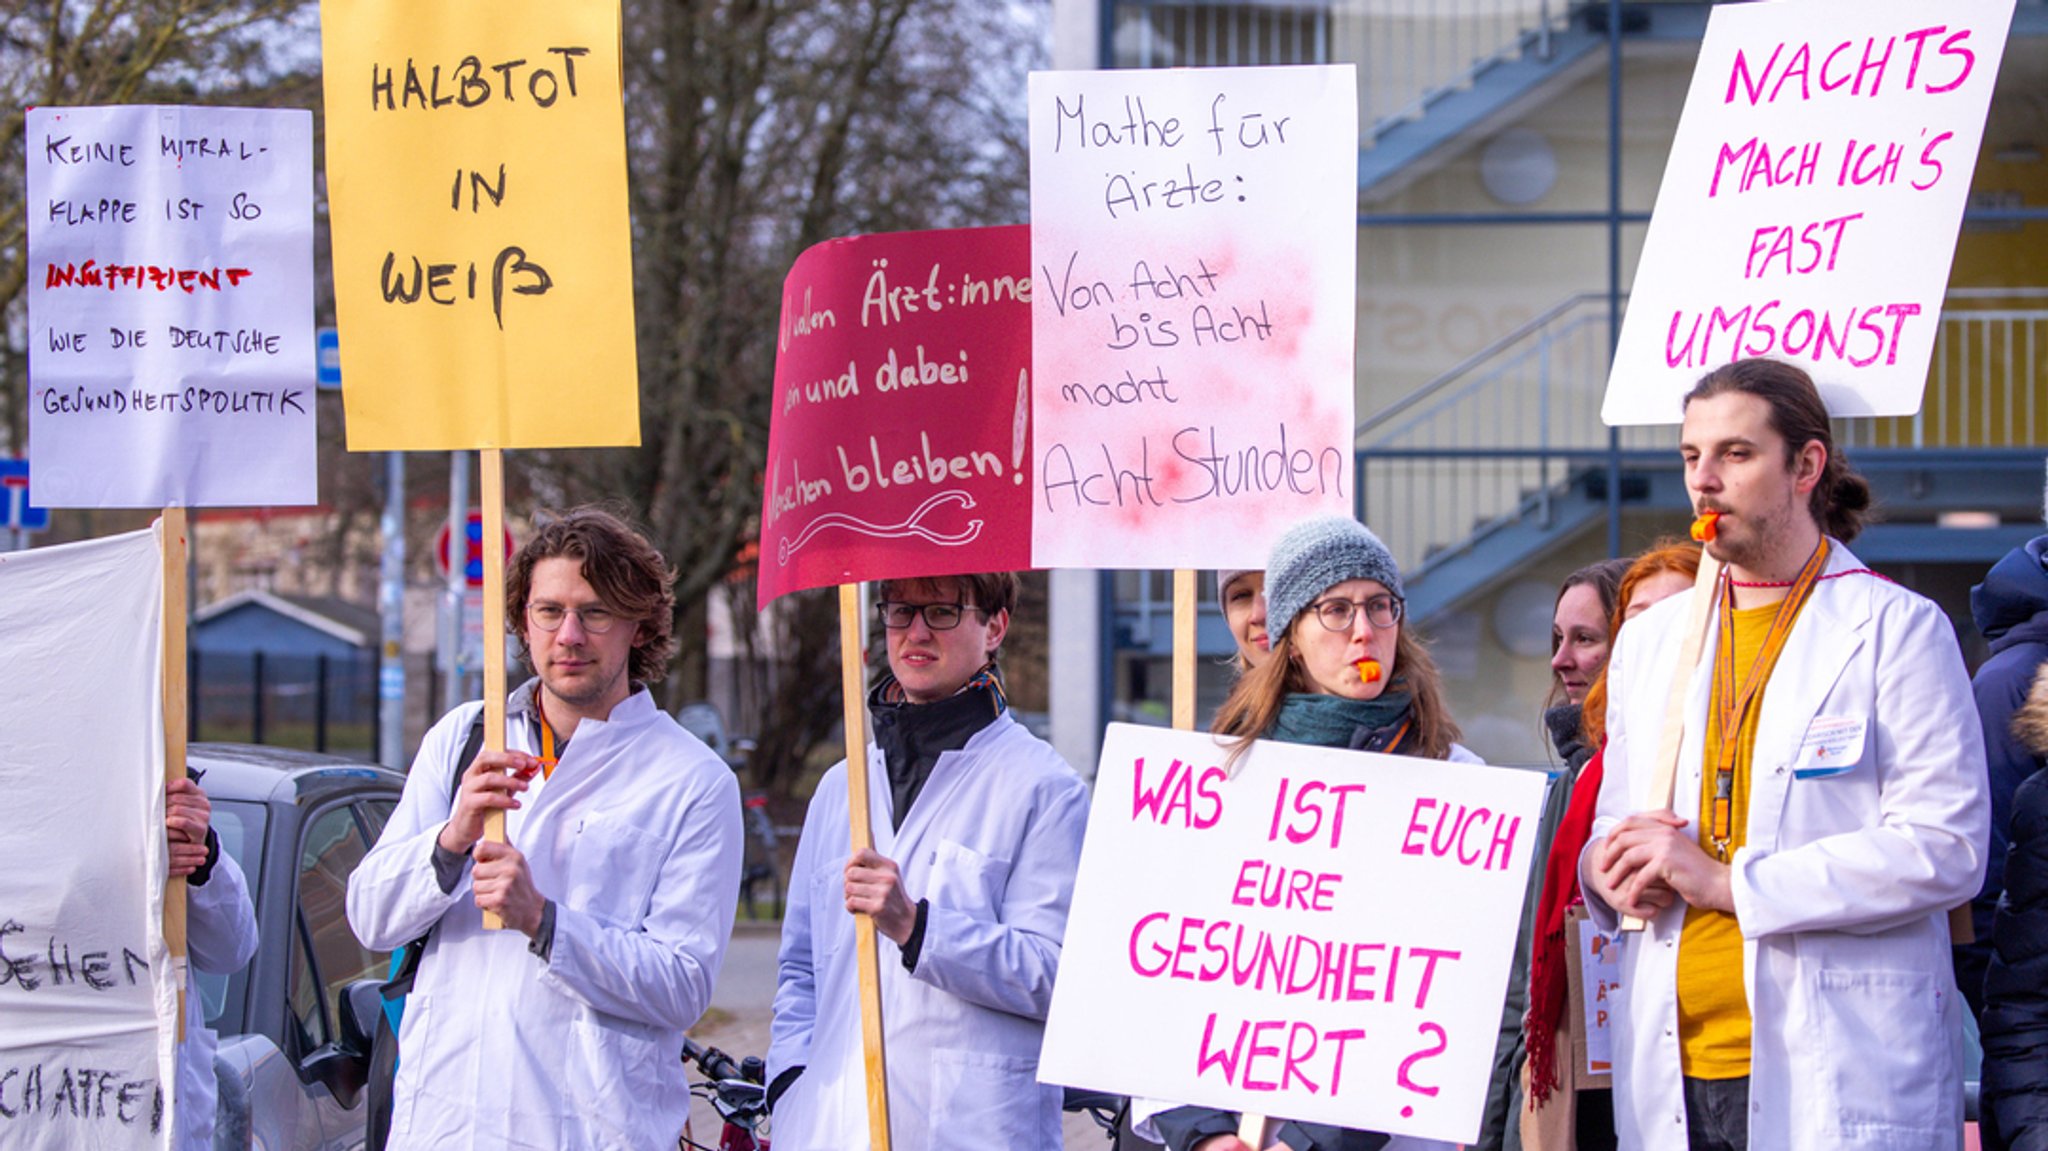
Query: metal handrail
[[1532, 39], [1534, 337], [1506, 432], [1469, 364], [1410, 55]]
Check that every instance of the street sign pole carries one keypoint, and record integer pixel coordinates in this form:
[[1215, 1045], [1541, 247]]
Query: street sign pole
[[455, 689], [391, 607]]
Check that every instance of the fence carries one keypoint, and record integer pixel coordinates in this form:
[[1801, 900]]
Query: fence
[[315, 703], [1410, 53]]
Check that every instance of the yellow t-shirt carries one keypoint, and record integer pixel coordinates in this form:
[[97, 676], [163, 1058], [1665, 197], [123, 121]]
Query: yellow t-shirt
[[1713, 1012]]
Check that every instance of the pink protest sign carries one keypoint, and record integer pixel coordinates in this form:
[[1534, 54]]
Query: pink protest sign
[[1810, 204], [1325, 935], [1193, 248], [900, 440]]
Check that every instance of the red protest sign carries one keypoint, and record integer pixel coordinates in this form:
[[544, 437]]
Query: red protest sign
[[900, 440]]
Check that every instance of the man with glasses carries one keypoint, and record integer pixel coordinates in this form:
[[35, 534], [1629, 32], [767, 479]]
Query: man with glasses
[[977, 827], [617, 883]]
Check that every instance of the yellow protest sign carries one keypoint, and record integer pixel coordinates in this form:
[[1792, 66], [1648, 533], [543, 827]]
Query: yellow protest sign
[[476, 180]]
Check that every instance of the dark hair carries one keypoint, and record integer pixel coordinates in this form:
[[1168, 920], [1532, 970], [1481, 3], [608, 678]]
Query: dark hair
[[990, 591], [1666, 555], [1604, 578], [1841, 498], [620, 565], [1254, 702]]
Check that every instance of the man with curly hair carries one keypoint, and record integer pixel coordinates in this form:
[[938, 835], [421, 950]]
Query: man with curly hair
[[616, 882]]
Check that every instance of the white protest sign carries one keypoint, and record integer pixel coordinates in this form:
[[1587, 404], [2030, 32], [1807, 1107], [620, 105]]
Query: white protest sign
[[1599, 970], [88, 1009], [1810, 204], [1193, 299], [170, 297], [1326, 936]]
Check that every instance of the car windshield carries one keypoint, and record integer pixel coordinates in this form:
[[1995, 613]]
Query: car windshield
[[239, 825]]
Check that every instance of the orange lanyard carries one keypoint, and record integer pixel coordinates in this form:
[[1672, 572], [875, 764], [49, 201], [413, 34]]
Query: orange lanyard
[[547, 747], [1734, 705]]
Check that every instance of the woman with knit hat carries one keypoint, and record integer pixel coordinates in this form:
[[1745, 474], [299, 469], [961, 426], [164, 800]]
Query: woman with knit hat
[[1343, 671]]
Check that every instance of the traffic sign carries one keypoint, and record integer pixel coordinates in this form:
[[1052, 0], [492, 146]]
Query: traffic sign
[[327, 353], [15, 511], [473, 552]]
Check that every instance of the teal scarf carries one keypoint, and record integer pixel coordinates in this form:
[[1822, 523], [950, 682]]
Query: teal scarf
[[1335, 721]]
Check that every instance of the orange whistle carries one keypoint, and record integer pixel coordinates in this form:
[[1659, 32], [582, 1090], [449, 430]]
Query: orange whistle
[[1368, 670], [1703, 527]]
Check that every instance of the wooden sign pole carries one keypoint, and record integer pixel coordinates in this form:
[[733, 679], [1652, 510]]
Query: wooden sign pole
[[853, 688], [492, 490], [176, 603], [1184, 649], [1251, 1127], [1663, 784]]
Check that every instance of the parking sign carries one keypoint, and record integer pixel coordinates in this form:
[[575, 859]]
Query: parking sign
[[15, 511]]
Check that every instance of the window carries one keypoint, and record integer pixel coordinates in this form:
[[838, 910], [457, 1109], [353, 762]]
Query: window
[[326, 955], [239, 827], [375, 814]]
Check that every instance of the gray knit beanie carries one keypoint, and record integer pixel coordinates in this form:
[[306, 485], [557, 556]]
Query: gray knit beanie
[[1226, 575], [1317, 555]]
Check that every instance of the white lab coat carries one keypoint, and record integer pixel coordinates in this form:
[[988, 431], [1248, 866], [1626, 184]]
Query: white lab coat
[[992, 842], [1862, 832], [220, 937], [636, 839]]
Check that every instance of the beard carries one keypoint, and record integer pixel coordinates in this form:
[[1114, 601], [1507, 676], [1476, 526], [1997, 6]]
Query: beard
[[1756, 534]]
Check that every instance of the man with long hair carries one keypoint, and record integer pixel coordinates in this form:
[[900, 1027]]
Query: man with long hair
[[1792, 988]]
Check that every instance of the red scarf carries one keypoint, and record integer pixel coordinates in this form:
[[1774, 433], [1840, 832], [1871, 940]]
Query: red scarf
[[1548, 975]]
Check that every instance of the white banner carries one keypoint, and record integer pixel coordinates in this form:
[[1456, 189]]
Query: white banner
[[1326, 936], [170, 298], [88, 1006], [1810, 204], [1194, 246]]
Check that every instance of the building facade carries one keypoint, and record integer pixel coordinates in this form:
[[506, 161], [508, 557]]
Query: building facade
[[1509, 156]]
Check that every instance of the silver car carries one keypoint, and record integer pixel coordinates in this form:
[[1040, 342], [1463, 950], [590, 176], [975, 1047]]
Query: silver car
[[296, 1024]]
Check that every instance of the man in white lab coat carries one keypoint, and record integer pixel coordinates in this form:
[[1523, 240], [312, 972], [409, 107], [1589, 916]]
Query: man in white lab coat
[[977, 827], [1793, 987], [617, 883]]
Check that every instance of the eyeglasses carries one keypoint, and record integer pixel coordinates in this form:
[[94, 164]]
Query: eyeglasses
[[549, 617], [937, 616], [1338, 614]]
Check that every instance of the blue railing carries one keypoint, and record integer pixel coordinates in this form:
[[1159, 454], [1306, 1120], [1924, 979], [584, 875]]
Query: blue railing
[[1498, 437], [1410, 53]]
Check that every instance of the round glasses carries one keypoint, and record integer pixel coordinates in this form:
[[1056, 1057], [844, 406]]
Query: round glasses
[[937, 616], [1339, 614], [549, 617]]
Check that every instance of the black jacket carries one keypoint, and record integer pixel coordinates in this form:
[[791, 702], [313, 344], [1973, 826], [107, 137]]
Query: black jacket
[[2011, 609], [2015, 1085]]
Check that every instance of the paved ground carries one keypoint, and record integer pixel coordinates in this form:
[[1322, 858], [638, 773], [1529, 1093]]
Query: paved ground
[[738, 1025]]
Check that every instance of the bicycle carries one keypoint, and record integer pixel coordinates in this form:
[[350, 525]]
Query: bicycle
[[736, 1091], [1108, 1111]]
